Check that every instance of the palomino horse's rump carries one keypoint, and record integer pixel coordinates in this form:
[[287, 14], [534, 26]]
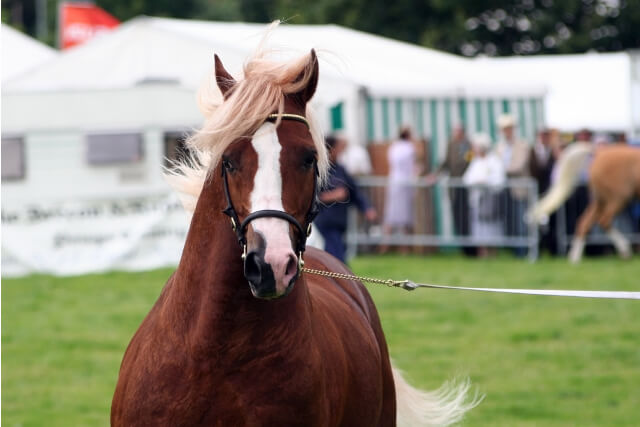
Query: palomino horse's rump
[[614, 180]]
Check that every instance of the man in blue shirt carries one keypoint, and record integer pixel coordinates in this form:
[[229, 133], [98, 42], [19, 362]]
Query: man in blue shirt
[[336, 196]]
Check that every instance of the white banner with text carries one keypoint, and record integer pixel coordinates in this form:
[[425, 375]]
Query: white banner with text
[[79, 237]]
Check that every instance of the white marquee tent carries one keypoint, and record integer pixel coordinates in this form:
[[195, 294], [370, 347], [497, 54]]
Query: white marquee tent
[[177, 52], [21, 53], [598, 91]]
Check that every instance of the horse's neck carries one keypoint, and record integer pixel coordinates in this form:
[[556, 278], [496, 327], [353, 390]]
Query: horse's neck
[[209, 300]]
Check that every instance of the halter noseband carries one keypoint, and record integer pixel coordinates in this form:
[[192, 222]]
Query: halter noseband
[[304, 230]]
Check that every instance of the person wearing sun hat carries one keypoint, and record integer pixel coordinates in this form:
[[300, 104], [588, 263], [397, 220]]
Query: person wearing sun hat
[[485, 175], [514, 154], [513, 151]]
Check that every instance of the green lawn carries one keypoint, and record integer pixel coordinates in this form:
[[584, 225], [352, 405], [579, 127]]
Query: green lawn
[[540, 361]]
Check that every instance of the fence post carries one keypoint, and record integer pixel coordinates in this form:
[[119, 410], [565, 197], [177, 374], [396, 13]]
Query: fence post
[[352, 234]]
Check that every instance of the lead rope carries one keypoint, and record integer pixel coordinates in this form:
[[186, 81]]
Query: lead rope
[[410, 286], [388, 282]]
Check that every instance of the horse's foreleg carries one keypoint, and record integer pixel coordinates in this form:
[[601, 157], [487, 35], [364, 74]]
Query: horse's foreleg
[[586, 221], [620, 242]]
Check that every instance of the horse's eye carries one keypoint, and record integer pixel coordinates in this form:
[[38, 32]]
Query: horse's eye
[[308, 161], [226, 163]]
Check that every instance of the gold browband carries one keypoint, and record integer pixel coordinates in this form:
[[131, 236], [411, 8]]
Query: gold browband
[[288, 116]]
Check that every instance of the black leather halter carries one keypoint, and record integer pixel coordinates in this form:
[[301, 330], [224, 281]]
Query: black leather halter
[[303, 230]]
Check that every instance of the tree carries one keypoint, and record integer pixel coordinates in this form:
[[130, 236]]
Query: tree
[[547, 26], [468, 27]]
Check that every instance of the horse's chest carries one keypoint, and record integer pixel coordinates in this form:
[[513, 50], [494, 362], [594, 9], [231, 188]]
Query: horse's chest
[[270, 398], [232, 397]]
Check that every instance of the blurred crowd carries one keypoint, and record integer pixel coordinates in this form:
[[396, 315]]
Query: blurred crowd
[[486, 201]]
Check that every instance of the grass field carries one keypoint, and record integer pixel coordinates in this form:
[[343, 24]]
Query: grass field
[[539, 361]]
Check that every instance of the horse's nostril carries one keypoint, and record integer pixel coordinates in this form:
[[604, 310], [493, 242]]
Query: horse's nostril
[[259, 274], [292, 266], [253, 267]]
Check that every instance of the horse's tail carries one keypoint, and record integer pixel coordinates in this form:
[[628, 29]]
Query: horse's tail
[[569, 166], [441, 407]]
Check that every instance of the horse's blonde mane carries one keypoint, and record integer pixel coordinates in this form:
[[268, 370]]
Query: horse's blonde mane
[[261, 92]]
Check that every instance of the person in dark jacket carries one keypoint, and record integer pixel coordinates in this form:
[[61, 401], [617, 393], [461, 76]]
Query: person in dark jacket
[[541, 161], [458, 157], [339, 192]]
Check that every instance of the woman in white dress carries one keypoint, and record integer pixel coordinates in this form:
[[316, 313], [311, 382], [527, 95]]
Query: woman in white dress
[[398, 212], [486, 174]]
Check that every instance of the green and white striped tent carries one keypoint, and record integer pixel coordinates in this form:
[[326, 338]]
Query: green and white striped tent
[[433, 118]]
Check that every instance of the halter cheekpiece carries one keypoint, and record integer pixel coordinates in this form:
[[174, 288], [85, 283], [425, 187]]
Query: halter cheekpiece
[[303, 230]]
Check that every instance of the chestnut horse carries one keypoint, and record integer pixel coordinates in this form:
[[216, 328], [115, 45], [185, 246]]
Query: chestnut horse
[[289, 348], [614, 180]]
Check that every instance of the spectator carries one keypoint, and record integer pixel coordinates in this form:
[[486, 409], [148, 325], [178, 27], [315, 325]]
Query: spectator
[[541, 161], [398, 212], [486, 174], [355, 158], [583, 135], [457, 160], [336, 196], [424, 221], [514, 154], [620, 138]]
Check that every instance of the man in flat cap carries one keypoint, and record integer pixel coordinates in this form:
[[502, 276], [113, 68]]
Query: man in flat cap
[[514, 154]]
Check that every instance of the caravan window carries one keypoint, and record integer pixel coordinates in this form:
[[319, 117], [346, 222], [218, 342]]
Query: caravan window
[[13, 159], [107, 149]]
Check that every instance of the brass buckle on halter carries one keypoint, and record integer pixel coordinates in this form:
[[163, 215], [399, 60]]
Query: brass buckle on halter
[[244, 252], [234, 226], [309, 230], [300, 261]]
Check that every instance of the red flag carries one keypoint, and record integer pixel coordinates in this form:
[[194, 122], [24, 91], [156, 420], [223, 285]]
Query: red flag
[[81, 21]]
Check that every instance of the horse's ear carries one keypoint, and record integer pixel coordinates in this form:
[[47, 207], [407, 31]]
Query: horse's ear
[[306, 93], [224, 80]]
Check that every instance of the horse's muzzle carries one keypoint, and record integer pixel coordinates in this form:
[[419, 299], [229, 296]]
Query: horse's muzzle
[[261, 278]]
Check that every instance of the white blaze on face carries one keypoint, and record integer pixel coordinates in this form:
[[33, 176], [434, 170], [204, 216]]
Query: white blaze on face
[[267, 194]]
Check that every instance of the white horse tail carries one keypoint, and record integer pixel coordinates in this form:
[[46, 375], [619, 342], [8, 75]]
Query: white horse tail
[[569, 166], [441, 407]]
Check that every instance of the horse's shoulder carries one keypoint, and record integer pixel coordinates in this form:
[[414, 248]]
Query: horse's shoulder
[[354, 290], [146, 335]]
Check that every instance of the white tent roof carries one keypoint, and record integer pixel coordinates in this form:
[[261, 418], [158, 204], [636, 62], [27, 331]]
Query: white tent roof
[[589, 90], [21, 53], [583, 91], [180, 51]]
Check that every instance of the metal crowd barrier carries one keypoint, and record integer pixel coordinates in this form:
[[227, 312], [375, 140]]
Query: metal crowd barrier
[[566, 219], [446, 213]]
